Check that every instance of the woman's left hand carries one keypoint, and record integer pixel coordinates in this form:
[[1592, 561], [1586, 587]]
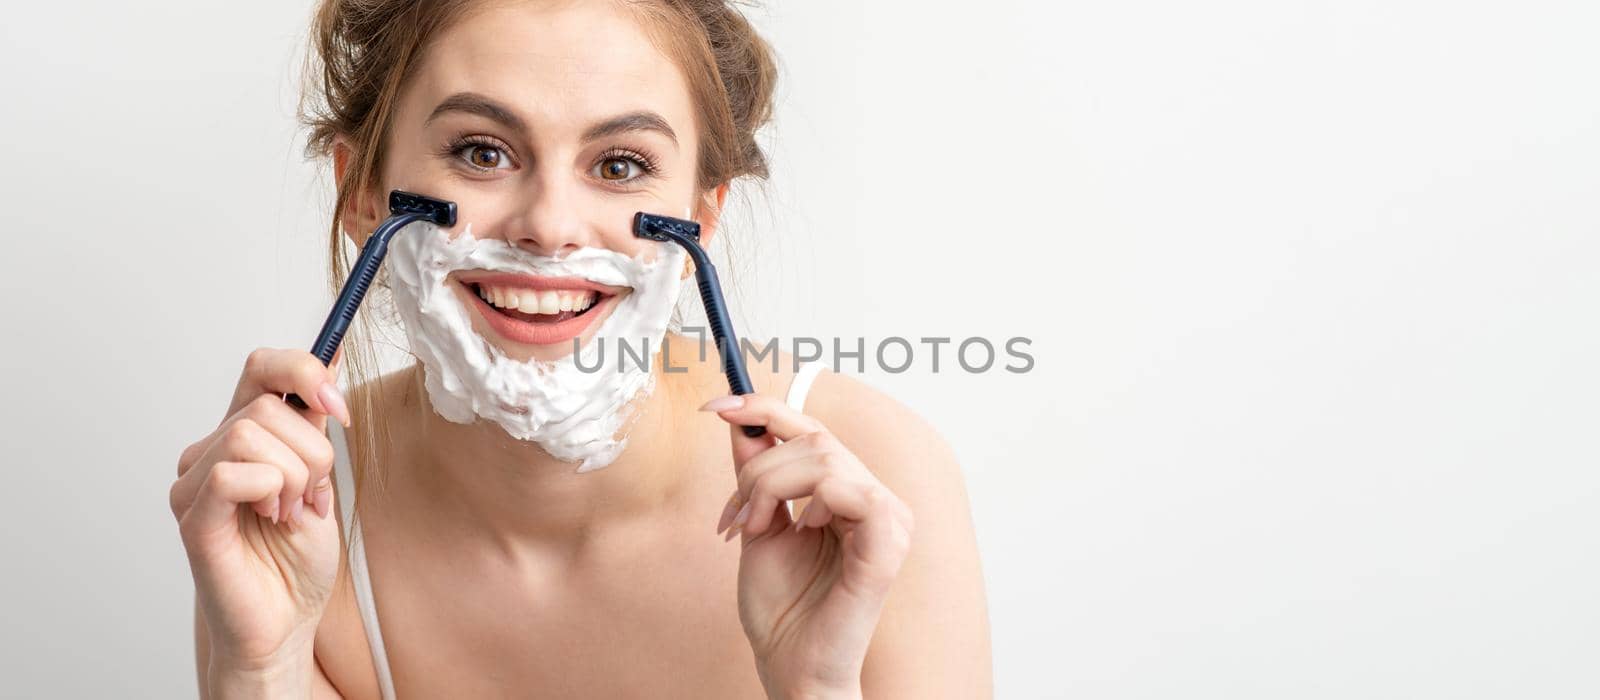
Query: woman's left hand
[[810, 590]]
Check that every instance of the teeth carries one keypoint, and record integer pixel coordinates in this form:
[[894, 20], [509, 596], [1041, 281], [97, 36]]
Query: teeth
[[532, 301], [549, 303], [528, 302]]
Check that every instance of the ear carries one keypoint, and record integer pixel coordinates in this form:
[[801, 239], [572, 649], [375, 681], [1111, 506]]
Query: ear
[[708, 215], [361, 211]]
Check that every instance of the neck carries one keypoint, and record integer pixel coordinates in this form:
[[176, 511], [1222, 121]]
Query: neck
[[478, 478]]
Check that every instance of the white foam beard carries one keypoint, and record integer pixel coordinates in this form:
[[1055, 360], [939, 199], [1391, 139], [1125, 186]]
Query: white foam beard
[[574, 414]]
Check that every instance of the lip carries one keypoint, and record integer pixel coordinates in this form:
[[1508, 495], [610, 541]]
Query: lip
[[524, 332]]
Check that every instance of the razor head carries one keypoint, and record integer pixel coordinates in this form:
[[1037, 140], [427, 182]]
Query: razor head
[[437, 211], [662, 228]]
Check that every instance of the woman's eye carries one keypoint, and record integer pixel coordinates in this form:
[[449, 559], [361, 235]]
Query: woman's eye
[[486, 157], [618, 169]]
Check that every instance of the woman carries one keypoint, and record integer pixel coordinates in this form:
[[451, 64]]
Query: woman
[[552, 536]]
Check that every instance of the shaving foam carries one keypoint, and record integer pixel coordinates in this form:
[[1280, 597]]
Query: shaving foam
[[575, 415]]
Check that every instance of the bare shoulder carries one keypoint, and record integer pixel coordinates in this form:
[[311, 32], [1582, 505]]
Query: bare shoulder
[[933, 639], [901, 447]]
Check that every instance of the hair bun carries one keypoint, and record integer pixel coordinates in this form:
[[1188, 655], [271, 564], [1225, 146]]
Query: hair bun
[[749, 75]]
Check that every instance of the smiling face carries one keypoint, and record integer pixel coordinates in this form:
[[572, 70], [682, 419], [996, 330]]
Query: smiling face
[[549, 125]]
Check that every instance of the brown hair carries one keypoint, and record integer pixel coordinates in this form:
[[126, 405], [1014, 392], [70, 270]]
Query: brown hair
[[364, 51]]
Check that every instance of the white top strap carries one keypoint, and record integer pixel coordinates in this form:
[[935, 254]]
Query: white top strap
[[344, 487], [798, 388], [802, 385]]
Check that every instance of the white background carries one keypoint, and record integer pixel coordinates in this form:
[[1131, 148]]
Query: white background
[[1311, 288]]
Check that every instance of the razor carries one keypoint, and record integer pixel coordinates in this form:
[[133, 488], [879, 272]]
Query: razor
[[405, 208], [686, 233]]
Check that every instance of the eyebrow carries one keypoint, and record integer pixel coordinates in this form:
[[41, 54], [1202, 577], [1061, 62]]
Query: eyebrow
[[641, 120], [477, 104], [474, 103]]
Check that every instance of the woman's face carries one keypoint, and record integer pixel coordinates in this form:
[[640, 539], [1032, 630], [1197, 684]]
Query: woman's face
[[549, 125]]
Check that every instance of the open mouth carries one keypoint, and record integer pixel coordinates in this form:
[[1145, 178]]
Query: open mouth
[[534, 306], [538, 310]]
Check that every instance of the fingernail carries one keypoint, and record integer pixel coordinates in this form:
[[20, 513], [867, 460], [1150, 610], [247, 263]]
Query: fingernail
[[801, 518], [334, 402], [728, 511], [274, 511], [738, 522], [295, 510], [723, 403], [321, 500]]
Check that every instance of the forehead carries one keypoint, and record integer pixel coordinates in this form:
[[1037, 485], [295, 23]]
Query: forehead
[[556, 63]]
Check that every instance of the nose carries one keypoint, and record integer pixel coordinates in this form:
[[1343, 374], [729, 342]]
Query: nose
[[551, 221]]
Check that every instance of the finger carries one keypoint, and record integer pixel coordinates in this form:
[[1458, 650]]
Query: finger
[[816, 514], [764, 463], [321, 494], [772, 514], [191, 454], [879, 543], [745, 447], [246, 440], [780, 420], [335, 371], [743, 505], [794, 480], [279, 372], [227, 485], [306, 437], [730, 511], [804, 450], [184, 490], [287, 424], [821, 454]]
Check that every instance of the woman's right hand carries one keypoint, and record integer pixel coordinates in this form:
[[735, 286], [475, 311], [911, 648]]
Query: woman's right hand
[[253, 501]]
